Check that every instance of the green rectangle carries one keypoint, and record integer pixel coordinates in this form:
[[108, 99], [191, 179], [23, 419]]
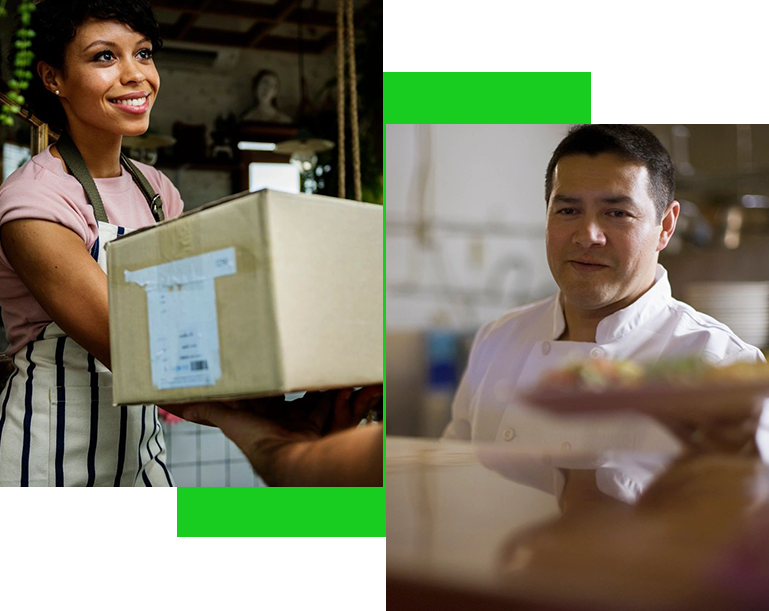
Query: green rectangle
[[291, 548], [575, 97]]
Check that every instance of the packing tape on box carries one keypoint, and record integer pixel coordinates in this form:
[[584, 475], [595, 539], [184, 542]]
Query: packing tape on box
[[183, 329]]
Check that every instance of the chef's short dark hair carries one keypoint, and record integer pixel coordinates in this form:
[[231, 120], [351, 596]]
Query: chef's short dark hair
[[55, 23], [630, 142]]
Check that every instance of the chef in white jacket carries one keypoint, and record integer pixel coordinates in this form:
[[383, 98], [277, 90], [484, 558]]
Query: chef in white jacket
[[610, 211]]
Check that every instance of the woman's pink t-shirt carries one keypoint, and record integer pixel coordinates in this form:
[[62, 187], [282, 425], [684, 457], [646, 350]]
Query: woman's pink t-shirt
[[42, 189]]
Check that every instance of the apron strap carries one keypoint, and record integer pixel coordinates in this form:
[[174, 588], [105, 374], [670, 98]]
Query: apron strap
[[77, 166], [153, 199]]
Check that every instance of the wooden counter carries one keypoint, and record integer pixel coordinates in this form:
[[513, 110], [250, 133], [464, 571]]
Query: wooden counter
[[460, 536]]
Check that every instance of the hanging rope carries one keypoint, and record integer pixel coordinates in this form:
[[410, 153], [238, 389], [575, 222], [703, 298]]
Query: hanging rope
[[344, 9], [353, 101], [340, 90]]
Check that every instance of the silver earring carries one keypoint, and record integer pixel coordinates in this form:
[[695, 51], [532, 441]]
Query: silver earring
[[57, 92]]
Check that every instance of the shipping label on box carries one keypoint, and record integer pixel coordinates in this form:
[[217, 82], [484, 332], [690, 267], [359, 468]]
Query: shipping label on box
[[256, 295]]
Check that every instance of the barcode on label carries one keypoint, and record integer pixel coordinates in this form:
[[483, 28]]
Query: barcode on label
[[198, 365]]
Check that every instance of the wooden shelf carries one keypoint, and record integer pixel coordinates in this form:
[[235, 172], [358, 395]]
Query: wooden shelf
[[213, 165], [217, 165], [266, 132]]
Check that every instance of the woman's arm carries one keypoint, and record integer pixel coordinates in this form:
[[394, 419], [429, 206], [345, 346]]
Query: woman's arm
[[55, 265]]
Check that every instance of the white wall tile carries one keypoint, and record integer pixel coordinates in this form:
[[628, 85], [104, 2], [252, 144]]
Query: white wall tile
[[212, 475], [241, 474], [212, 446], [184, 476], [183, 447]]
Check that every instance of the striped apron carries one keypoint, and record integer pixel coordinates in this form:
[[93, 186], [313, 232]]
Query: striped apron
[[58, 426]]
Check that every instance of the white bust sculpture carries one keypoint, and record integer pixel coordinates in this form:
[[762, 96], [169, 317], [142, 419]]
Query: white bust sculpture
[[266, 86]]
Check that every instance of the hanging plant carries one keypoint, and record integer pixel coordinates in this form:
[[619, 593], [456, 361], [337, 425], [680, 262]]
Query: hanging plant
[[22, 73]]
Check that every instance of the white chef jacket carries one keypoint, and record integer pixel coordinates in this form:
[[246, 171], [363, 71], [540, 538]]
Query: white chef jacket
[[511, 353]]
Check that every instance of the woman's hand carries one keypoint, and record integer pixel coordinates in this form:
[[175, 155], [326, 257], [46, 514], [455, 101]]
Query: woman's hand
[[274, 434]]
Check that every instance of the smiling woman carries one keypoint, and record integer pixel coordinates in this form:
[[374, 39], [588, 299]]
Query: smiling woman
[[106, 68], [84, 37], [95, 81]]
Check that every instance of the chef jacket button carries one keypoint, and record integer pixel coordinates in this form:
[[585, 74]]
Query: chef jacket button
[[566, 446], [509, 434], [596, 353], [545, 347]]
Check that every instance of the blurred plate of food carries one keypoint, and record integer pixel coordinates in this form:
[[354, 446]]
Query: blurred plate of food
[[689, 389]]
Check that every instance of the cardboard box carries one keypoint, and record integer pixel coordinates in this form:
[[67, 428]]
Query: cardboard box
[[254, 295]]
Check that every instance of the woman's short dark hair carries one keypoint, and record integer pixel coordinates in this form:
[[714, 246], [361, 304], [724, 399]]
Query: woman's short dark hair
[[630, 142], [55, 23]]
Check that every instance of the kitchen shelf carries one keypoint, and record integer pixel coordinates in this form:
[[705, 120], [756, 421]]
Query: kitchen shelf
[[724, 181], [213, 165]]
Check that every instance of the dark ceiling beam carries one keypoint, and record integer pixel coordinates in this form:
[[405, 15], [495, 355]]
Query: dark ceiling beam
[[290, 45], [250, 10], [326, 19], [183, 25], [259, 31], [226, 38], [327, 42], [188, 18]]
